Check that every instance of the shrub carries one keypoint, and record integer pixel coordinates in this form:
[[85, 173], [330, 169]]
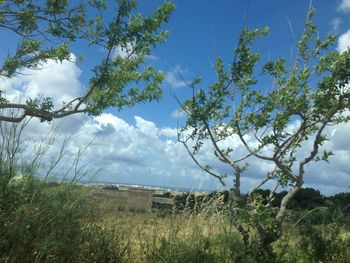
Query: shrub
[[307, 242], [44, 224], [38, 223]]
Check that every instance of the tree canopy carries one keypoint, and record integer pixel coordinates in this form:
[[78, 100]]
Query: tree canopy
[[283, 124], [46, 30]]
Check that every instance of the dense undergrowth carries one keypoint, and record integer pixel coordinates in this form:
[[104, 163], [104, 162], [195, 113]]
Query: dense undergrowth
[[64, 224]]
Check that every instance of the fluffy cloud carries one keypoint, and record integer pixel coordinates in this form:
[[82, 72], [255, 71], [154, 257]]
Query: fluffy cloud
[[60, 81], [174, 77], [127, 51], [151, 57], [139, 153], [344, 6], [124, 51], [336, 23], [178, 113], [344, 39], [142, 152], [344, 42]]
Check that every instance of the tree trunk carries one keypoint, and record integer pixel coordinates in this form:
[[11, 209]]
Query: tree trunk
[[285, 201]]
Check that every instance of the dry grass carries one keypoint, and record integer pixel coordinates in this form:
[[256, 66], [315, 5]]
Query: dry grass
[[149, 230], [140, 200], [105, 233]]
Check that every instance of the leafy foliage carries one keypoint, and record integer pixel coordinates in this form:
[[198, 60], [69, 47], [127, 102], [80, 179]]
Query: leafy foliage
[[305, 97], [283, 124], [46, 30]]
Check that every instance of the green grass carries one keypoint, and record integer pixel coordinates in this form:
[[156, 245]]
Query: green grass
[[68, 223]]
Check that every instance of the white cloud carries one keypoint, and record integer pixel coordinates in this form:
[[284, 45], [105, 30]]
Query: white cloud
[[124, 51], [139, 153], [168, 132], [344, 42], [128, 51], [344, 6], [59, 81], [175, 77], [178, 113], [147, 128], [335, 23], [151, 57], [144, 153]]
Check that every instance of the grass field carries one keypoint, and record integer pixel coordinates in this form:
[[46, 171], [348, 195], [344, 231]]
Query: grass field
[[74, 224], [208, 236]]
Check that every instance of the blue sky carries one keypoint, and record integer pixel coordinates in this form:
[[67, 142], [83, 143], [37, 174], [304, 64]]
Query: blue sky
[[201, 30], [138, 145]]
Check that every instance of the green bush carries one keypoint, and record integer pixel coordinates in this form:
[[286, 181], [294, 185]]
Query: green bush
[[37, 224], [310, 243], [48, 224]]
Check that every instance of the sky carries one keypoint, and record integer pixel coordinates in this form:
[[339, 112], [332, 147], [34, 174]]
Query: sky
[[139, 145]]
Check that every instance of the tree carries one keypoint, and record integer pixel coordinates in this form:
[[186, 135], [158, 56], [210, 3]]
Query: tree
[[45, 31], [284, 124]]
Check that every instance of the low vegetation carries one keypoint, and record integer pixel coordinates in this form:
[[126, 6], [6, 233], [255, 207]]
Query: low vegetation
[[64, 223]]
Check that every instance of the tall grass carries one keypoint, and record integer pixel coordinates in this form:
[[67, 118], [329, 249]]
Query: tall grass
[[64, 223], [40, 224]]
